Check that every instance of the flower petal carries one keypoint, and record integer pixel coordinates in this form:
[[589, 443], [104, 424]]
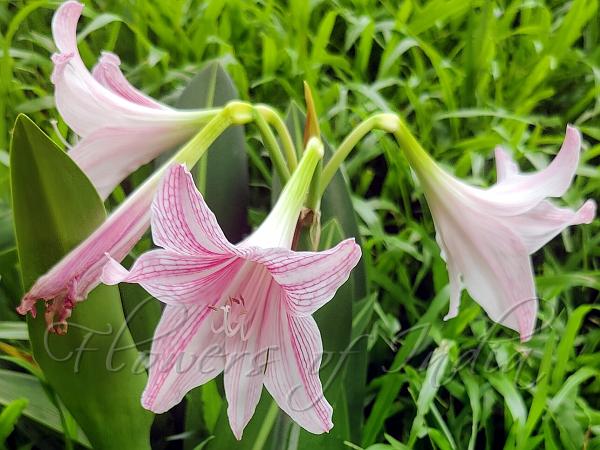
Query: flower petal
[[539, 225], [506, 167], [64, 26], [248, 349], [292, 373], [519, 193], [173, 278], [87, 105], [109, 75], [108, 155], [79, 271], [310, 279], [182, 221], [185, 354], [494, 263]]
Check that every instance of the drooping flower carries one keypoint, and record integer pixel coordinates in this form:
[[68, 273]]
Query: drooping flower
[[245, 310], [120, 128], [78, 272], [487, 235]]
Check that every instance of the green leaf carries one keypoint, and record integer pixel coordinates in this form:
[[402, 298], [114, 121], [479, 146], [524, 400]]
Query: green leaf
[[14, 330], [95, 367], [415, 338], [9, 417], [15, 385]]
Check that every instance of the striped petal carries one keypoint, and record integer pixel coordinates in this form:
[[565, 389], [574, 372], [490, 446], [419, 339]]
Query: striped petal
[[108, 73], [177, 279], [292, 372], [182, 221], [310, 279], [74, 276], [185, 353]]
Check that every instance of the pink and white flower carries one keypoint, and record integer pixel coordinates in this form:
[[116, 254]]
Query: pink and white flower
[[487, 235], [245, 310], [120, 127]]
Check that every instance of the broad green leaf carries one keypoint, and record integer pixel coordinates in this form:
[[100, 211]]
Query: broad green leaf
[[15, 385], [95, 367]]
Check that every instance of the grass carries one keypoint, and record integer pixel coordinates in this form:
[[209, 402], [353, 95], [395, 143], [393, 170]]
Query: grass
[[467, 76]]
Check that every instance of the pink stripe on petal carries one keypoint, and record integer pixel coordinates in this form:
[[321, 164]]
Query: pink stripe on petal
[[181, 220], [79, 271], [185, 353], [109, 75], [310, 279], [174, 278], [292, 376]]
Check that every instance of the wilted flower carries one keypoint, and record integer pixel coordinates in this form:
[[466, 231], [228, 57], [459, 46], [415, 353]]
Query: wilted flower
[[120, 128], [245, 310], [487, 235]]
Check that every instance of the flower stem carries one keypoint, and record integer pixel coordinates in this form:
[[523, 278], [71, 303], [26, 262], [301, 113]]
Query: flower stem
[[274, 119], [418, 158], [234, 113], [383, 121], [272, 146]]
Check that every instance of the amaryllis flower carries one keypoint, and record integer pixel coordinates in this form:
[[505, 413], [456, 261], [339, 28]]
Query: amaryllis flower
[[243, 309], [487, 235], [120, 128]]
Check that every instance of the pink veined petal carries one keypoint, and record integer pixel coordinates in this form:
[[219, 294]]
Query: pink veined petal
[[182, 221], [176, 279], [109, 75], [108, 155], [539, 225], [494, 263], [185, 353], [292, 374], [505, 166], [74, 276], [248, 349], [310, 279]]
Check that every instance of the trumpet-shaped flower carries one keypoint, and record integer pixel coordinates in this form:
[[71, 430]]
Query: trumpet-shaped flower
[[244, 309], [120, 128], [487, 235], [74, 276]]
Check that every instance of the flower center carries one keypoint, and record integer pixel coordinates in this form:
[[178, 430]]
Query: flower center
[[233, 318]]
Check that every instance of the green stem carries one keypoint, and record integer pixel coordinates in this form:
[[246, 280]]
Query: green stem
[[267, 426], [234, 113], [272, 146], [384, 121], [313, 199], [418, 158], [274, 119]]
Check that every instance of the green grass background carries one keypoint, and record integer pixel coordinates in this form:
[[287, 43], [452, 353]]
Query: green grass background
[[466, 76]]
